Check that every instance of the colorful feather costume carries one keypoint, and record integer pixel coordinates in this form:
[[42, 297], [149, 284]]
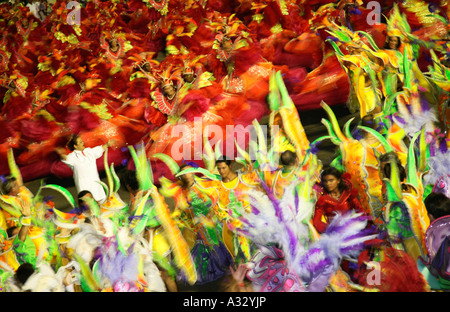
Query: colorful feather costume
[[407, 203], [309, 262], [195, 216], [357, 160], [172, 234]]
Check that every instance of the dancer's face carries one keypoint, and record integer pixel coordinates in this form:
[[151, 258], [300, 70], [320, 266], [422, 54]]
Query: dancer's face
[[330, 183], [224, 169], [79, 146], [393, 42], [188, 77], [168, 90], [147, 67]]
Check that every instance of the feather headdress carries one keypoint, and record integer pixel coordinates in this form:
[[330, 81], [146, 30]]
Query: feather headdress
[[169, 75], [397, 24], [113, 204], [190, 64], [292, 135], [146, 64], [286, 222]]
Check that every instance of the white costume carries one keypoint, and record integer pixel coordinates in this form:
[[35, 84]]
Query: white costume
[[85, 172]]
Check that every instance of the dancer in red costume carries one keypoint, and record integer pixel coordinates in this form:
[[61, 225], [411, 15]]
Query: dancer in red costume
[[142, 82], [338, 196], [191, 108]]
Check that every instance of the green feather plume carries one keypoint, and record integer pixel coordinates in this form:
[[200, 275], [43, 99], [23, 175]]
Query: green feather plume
[[333, 137], [347, 131], [274, 93], [143, 169], [412, 177], [393, 185], [203, 171], [89, 282], [285, 97], [13, 168], [169, 161], [108, 174], [67, 195], [116, 179], [388, 148]]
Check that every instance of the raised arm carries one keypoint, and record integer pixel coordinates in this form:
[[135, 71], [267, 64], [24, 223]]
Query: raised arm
[[25, 220], [108, 144]]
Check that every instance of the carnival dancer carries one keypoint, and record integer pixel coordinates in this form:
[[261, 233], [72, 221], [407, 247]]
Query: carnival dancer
[[16, 198], [195, 198], [152, 232], [233, 188], [338, 196], [152, 219], [82, 161], [287, 259]]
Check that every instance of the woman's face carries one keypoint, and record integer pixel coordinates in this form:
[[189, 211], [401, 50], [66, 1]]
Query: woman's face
[[330, 183], [393, 42]]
